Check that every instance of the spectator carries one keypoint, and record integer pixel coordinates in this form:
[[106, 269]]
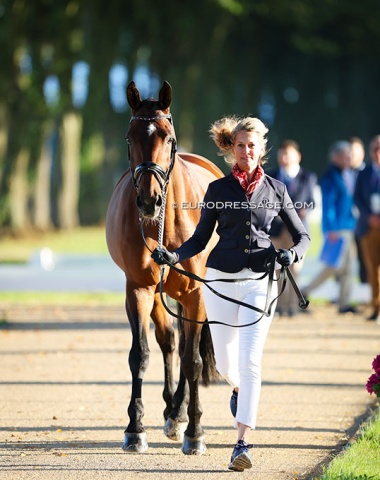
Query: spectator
[[338, 223], [357, 154], [357, 165], [367, 200], [300, 184]]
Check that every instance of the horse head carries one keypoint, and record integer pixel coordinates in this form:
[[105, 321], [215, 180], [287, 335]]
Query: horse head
[[151, 147]]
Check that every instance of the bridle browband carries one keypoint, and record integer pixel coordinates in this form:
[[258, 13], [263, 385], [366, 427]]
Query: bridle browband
[[161, 176]]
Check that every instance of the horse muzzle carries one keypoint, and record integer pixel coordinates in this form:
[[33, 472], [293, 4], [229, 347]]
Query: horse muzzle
[[149, 207]]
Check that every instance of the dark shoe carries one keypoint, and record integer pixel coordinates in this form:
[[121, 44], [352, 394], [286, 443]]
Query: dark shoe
[[233, 402], [348, 309], [375, 316], [240, 458]]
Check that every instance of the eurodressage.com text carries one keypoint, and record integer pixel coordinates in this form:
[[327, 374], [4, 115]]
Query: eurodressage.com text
[[242, 205]]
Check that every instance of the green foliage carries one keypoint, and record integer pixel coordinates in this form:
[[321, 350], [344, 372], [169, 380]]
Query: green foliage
[[221, 57], [361, 459]]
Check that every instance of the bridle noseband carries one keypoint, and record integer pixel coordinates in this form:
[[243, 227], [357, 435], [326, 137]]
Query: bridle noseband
[[161, 176]]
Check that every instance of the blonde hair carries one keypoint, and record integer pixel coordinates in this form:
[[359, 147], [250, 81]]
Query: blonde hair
[[224, 132]]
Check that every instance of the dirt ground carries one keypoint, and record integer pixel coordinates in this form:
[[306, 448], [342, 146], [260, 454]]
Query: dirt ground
[[65, 387]]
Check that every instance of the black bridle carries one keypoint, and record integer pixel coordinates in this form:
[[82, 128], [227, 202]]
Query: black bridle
[[161, 176]]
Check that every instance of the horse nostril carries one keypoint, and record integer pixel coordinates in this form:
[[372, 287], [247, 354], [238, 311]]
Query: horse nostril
[[159, 201], [139, 202]]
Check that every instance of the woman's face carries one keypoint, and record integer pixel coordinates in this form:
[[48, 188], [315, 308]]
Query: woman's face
[[247, 150]]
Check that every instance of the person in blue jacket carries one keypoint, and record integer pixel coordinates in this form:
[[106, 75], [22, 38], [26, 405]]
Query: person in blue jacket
[[338, 224], [241, 206]]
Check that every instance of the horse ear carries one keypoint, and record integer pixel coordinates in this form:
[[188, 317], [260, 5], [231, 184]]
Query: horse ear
[[165, 96], [133, 96]]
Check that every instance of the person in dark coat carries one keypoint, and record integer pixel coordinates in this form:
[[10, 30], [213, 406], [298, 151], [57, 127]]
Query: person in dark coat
[[242, 207], [301, 184], [367, 201], [357, 165]]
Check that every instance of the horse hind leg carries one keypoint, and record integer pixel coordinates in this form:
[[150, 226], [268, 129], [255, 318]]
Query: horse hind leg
[[194, 439], [175, 399], [177, 422], [192, 363]]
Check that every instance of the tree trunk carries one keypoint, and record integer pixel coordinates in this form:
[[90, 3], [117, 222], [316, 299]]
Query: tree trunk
[[19, 191], [3, 136], [42, 188], [68, 197]]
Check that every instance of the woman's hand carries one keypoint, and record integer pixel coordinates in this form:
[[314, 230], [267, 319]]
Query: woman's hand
[[162, 256], [284, 257]]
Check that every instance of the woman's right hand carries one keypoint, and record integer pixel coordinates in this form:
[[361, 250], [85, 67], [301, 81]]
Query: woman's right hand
[[162, 256]]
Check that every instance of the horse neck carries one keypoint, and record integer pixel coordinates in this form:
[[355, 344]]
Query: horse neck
[[181, 213]]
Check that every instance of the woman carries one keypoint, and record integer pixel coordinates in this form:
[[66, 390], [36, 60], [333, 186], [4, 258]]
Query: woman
[[242, 205]]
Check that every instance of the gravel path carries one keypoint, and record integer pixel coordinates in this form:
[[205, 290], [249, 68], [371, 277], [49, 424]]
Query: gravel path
[[65, 386]]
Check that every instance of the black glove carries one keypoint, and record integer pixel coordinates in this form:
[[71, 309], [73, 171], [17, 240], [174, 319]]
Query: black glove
[[162, 256], [284, 257]]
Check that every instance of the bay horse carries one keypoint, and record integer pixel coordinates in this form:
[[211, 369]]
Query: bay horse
[[162, 182]]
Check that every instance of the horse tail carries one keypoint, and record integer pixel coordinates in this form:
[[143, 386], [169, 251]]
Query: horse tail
[[206, 349]]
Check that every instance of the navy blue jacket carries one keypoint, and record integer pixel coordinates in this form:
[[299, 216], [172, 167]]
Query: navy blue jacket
[[243, 225], [367, 183]]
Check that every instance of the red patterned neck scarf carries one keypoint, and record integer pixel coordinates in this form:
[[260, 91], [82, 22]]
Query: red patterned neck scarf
[[242, 178]]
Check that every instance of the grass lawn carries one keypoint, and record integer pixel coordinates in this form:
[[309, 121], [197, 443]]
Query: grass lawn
[[83, 240], [19, 249], [361, 459], [62, 298]]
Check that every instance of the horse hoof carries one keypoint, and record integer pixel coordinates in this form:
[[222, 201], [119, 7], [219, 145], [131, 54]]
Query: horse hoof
[[193, 446], [175, 430], [135, 442]]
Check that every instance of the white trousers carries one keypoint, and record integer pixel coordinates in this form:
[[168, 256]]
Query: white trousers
[[238, 351]]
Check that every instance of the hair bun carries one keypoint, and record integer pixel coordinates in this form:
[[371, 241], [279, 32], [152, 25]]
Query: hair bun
[[221, 132]]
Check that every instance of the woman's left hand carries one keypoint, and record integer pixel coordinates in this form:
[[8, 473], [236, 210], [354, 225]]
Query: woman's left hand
[[284, 257]]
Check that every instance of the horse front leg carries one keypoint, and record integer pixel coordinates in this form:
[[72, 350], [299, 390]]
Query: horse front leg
[[138, 305]]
